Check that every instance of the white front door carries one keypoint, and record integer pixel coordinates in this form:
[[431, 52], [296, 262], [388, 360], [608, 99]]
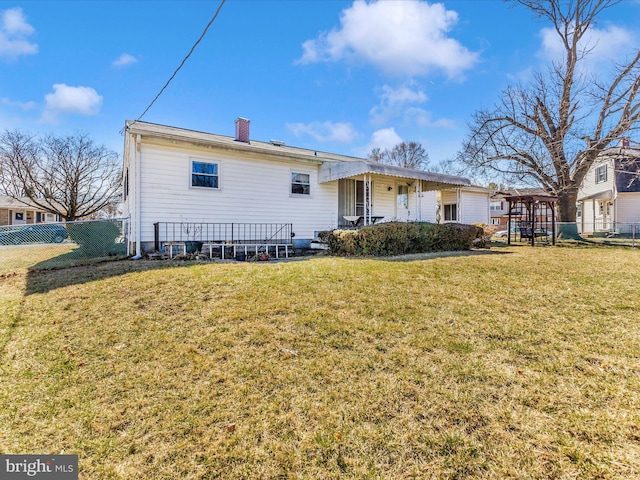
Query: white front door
[[402, 202]]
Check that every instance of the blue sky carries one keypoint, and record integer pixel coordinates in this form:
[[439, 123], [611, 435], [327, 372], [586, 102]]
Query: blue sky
[[336, 76]]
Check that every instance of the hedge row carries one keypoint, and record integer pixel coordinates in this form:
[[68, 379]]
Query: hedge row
[[398, 238]]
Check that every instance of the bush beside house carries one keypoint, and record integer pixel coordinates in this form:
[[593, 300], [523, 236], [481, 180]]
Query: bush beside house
[[399, 238], [96, 238]]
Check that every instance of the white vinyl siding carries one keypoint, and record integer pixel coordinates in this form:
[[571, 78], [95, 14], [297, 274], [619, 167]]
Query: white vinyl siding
[[589, 186], [474, 207], [253, 190], [628, 208]]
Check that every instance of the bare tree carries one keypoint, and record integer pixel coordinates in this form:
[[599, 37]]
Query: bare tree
[[407, 155], [68, 176], [551, 131]]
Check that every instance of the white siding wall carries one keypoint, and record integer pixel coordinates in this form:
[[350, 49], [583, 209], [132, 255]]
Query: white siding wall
[[628, 208], [590, 187], [475, 207], [429, 206], [255, 190], [383, 198]]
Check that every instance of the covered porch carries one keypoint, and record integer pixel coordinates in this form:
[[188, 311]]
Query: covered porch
[[372, 192], [596, 214]]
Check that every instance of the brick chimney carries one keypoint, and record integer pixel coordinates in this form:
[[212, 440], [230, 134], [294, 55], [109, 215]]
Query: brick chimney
[[624, 142], [242, 130]]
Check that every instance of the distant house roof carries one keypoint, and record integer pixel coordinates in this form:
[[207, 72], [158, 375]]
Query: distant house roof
[[519, 191], [10, 202]]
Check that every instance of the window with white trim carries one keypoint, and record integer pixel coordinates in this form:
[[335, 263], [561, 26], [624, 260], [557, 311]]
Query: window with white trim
[[579, 210], [300, 183], [451, 212], [601, 173], [495, 221], [205, 174]]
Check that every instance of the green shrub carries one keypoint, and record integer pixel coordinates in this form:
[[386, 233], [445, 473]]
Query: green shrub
[[96, 238], [398, 238]]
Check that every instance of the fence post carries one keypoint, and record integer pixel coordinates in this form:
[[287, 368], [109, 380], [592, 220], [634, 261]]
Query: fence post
[[156, 236]]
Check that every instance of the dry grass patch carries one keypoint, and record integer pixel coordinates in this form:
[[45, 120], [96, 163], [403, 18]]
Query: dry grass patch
[[522, 365], [19, 258]]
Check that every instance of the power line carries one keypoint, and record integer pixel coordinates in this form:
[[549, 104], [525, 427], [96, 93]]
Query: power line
[[184, 60]]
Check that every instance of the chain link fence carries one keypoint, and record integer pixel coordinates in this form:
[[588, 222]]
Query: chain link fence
[[610, 233], [54, 245]]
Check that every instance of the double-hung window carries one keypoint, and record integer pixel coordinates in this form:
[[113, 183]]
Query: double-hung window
[[601, 174], [300, 183], [451, 212], [205, 174]]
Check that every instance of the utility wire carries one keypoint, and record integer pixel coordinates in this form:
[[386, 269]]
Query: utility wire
[[184, 60]]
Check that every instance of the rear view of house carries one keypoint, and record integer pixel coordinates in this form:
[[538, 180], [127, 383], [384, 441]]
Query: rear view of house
[[176, 179]]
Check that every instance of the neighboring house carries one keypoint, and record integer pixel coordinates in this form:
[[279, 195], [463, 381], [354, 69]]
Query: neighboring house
[[14, 212], [500, 207], [609, 197], [176, 175]]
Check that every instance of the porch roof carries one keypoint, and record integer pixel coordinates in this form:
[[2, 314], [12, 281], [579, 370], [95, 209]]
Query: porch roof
[[607, 194], [330, 171]]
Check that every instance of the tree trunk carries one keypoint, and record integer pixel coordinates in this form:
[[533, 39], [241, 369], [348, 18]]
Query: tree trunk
[[567, 213]]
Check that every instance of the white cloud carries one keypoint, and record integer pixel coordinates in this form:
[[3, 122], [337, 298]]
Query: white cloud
[[21, 105], [424, 118], [70, 100], [13, 32], [603, 44], [385, 138], [400, 37], [325, 131], [124, 60], [393, 101]]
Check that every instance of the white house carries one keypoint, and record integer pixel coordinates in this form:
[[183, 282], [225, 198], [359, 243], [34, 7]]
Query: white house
[[175, 178], [609, 197]]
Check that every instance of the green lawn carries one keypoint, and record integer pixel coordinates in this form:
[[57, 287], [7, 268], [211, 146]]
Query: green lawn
[[523, 363]]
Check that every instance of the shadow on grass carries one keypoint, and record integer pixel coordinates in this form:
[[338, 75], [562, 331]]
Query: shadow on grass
[[51, 275], [431, 255], [73, 269]]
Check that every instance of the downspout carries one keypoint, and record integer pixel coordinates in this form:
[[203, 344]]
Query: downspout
[[138, 195]]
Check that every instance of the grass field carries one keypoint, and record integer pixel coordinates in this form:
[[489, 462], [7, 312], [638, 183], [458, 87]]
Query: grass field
[[523, 363]]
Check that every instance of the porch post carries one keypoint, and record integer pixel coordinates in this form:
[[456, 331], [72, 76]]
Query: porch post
[[370, 198], [367, 199], [418, 200], [458, 205]]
